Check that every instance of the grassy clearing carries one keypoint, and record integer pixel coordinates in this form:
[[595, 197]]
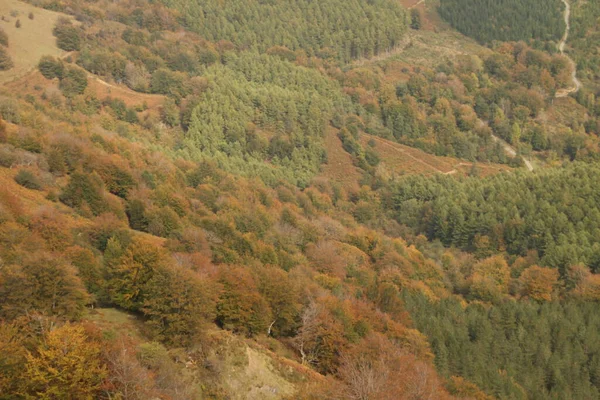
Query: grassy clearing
[[31, 41], [339, 167]]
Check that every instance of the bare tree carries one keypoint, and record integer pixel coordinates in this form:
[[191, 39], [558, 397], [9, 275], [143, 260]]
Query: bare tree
[[307, 333]]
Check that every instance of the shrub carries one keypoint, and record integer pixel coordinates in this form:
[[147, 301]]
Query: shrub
[[73, 82], [18, 23], [51, 67], [9, 110], [3, 38], [5, 60], [85, 190], [67, 37], [27, 179]]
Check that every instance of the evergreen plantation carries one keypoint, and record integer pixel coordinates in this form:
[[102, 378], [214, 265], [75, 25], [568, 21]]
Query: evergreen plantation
[[300, 200], [332, 28], [553, 212], [256, 96], [505, 20], [515, 350]]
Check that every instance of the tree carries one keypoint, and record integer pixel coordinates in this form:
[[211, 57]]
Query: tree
[[136, 213], [490, 279], [67, 36], [51, 67], [73, 82], [320, 339], [44, 284], [376, 369], [415, 19], [85, 191], [240, 307], [12, 357], [67, 364], [176, 302], [279, 291], [129, 274], [539, 283]]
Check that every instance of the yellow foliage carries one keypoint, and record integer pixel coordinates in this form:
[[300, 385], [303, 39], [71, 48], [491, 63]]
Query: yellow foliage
[[67, 365]]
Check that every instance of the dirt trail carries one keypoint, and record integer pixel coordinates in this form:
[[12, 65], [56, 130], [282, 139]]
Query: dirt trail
[[508, 149], [416, 4], [561, 47], [385, 143]]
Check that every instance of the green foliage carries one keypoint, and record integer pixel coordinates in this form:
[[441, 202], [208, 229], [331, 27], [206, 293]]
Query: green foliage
[[85, 191], [554, 211], [3, 38], [267, 93], [51, 67], [6, 62], [349, 29], [136, 213], [506, 20], [73, 82], [67, 36], [415, 19], [27, 179], [103, 63], [240, 307], [176, 303], [516, 350]]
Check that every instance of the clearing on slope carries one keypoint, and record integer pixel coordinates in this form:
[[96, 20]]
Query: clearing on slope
[[32, 40], [400, 159]]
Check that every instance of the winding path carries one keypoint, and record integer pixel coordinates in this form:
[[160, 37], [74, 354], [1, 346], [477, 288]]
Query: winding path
[[561, 47], [508, 149]]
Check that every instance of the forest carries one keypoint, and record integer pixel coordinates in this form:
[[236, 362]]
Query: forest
[[505, 20], [340, 29], [515, 350], [275, 200], [552, 212]]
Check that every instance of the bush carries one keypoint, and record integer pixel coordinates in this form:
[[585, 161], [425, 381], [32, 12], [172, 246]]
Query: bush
[[5, 60], [3, 38], [9, 110], [67, 37], [73, 82], [51, 67], [27, 179], [85, 191]]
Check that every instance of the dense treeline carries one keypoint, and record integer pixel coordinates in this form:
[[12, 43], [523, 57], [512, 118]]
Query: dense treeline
[[554, 212], [515, 350], [344, 29], [253, 97], [505, 20]]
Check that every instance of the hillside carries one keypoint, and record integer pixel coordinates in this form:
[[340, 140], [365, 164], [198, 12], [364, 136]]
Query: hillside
[[31, 40], [200, 201]]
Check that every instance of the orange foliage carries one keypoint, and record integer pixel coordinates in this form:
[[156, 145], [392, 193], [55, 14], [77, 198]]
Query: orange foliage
[[539, 283]]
